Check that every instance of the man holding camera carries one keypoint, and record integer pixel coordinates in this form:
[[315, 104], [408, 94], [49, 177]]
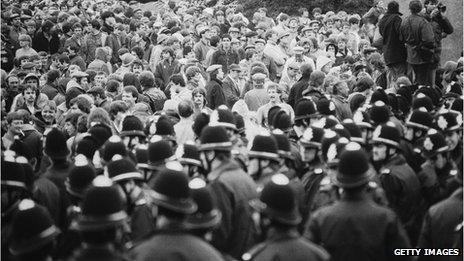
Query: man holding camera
[[435, 14]]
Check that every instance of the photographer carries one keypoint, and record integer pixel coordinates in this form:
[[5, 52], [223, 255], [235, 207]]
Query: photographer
[[435, 14]]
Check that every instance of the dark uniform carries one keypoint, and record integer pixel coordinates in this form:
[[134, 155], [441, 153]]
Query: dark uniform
[[92, 253], [175, 246], [442, 226], [402, 189], [283, 246], [437, 184]]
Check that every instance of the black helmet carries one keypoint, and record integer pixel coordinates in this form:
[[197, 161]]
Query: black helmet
[[420, 119], [121, 169], [283, 144], [189, 154], [341, 131], [353, 167], [449, 121], [207, 214], [101, 132], [312, 137], [304, 109], [80, 177], [434, 143], [379, 113], [102, 207], [278, 201], [55, 144], [159, 151], [113, 146], [32, 228], [422, 100], [215, 138], [332, 145], [264, 147], [387, 134], [12, 172], [362, 119], [354, 130], [325, 106], [224, 117], [170, 189], [132, 126]]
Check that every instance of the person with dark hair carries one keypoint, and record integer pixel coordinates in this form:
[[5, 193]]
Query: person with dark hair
[[92, 41], [183, 128], [129, 96], [51, 87], [417, 33], [46, 39], [347, 217], [77, 40], [167, 67], [215, 93], [302, 84], [152, 91], [225, 56], [75, 55]]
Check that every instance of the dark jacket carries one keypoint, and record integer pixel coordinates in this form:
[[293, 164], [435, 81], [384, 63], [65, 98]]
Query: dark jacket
[[393, 48], [41, 43], [174, 245], [417, 34], [441, 28], [233, 189], [113, 42], [402, 188], [33, 140], [441, 227], [231, 91], [286, 246], [215, 94], [97, 254], [356, 228], [49, 90], [436, 184], [297, 90], [164, 70], [225, 58]]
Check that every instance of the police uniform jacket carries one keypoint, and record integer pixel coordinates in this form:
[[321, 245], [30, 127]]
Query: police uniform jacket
[[233, 189], [286, 246], [443, 225], [356, 228], [402, 189]]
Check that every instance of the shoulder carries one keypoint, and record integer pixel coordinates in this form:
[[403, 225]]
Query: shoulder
[[253, 252]]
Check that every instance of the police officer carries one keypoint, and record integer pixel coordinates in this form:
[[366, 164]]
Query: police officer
[[101, 222], [450, 123], [138, 205], [305, 115], [278, 218], [159, 152], [397, 178], [189, 157], [355, 228], [416, 128], [172, 195], [263, 157], [232, 188], [33, 233], [437, 175], [443, 225], [132, 132]]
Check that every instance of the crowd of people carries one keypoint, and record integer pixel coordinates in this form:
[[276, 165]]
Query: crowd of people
[[193, 132]]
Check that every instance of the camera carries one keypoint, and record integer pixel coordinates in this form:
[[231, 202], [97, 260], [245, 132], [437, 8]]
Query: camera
[[441, 7]]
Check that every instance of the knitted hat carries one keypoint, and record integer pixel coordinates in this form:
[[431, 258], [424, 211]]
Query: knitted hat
[[171, 190], [31, 228], [351, 175], [55, 144]]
